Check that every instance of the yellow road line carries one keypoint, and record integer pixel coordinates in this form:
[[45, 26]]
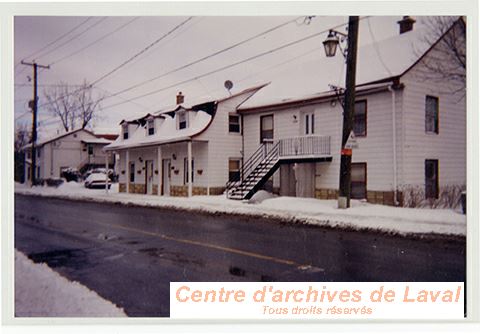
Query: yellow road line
[[207, 245]]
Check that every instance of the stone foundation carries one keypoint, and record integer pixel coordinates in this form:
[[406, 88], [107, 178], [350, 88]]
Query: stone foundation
[[136, 188], [384, 197], [174, 190], [183, 191], [374, 197], [217, 190], [326, 193]]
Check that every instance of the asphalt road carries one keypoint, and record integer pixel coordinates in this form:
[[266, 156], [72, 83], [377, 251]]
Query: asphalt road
[[129, 255]]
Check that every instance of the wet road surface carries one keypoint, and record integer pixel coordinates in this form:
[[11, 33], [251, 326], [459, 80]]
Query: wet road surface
[[129, 255]]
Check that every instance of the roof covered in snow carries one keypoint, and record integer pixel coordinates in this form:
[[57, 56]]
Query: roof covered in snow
[[200, 116], [167, 132], [378, 61], [96, 139], [101, 141]]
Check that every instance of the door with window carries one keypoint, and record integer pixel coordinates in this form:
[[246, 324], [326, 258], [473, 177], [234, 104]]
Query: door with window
[[149, 176], [308, 123], [431, 179], [358, 181], [166, 176]]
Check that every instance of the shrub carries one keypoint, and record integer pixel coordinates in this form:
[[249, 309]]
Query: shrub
[[449, 197]]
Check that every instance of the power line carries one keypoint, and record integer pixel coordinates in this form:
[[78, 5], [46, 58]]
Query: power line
[[207, 57], [375, 47], [224, 67], [191, 63], [95, 41], [56, 40], [73, 38], [281, 47], [141, 51]]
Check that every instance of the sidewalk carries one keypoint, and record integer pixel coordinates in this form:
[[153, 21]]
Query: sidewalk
[[360, 216], [42, 292]]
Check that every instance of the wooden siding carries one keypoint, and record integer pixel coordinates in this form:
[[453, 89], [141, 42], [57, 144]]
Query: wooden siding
[[222, 145]]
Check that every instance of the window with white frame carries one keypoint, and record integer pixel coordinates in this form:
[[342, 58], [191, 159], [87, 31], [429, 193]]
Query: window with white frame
[[431, 114], [234, 169], [182, 117], [360, 119], [234, 123], [150, 126], [125, 130]]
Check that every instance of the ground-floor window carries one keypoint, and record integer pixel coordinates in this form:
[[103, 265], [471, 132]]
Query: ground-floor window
[[431, 178], [359, 180], [185, 170], [132, 172], [234, 169]]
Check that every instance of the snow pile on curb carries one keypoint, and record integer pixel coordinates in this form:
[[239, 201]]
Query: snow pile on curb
[[41, 292], [361, 215]]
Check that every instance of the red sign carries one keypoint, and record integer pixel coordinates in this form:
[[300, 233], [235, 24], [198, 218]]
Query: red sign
[[346, 151]]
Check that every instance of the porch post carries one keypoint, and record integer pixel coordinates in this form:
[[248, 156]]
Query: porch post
[[160, 170], [189, 169], [106, 172], [127, 170]]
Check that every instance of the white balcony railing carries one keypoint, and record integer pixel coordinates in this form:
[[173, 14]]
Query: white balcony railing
[[306, 146]]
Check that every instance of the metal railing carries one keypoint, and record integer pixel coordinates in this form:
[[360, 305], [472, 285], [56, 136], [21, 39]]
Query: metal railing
[[304, 146]]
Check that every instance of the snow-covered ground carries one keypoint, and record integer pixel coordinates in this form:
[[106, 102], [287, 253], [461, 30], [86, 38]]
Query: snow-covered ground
[[41, 292], [361, 215]]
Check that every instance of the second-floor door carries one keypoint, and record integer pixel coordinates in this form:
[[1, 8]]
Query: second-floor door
[[307, 124]]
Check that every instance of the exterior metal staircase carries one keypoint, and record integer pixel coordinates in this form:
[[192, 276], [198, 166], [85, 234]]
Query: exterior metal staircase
[[265, 161], [257, 170]]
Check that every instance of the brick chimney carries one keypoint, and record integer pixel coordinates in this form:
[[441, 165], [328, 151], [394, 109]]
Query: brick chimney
[[406, 24], [180, 98]]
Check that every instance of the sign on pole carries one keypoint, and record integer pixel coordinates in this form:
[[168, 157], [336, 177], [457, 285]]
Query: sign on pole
[[351, 141]]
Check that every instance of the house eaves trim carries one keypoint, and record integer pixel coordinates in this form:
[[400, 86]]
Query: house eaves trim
[[327, 96]]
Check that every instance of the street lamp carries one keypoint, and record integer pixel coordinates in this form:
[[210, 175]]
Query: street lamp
[[332, 41], [350, 53]]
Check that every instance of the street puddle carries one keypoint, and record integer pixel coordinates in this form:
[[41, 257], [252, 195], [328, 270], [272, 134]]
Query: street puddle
[[72, 258]]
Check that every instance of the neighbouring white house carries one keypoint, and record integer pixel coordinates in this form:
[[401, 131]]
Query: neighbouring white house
[[286, 136], [80, 149]]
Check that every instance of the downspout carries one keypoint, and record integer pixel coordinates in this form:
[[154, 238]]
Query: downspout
[[394, 151]]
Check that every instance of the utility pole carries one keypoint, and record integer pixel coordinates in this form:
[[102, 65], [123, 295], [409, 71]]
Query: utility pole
[[348, 113], [33, 105]]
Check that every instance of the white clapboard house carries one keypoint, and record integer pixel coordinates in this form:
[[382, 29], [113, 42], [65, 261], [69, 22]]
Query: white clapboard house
[[79, 149], [285, 136]]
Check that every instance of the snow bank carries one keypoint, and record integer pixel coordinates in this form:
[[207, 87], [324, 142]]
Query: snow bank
[[41, 292], [297, 210]]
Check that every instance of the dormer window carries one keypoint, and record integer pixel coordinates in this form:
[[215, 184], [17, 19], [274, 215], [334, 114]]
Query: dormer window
[[182, 120], [151, 127], [125, 130]]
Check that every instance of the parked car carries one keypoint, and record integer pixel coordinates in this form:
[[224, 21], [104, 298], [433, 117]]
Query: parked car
[[70, 174], [97, 180]]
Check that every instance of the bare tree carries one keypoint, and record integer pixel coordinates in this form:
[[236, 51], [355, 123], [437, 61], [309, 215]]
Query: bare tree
[[87, 105], [22, 137], [447, 61], [75, 106]]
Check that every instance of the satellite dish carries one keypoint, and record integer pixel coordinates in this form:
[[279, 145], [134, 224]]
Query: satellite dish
[[228, 85]]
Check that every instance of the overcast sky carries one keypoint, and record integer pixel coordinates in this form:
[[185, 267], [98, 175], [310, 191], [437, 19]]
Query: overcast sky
[[98, 45]]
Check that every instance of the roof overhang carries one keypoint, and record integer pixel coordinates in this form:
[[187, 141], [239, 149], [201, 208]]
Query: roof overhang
[[315, 99]]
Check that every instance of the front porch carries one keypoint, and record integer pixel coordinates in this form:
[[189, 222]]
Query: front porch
[[171, 169]]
